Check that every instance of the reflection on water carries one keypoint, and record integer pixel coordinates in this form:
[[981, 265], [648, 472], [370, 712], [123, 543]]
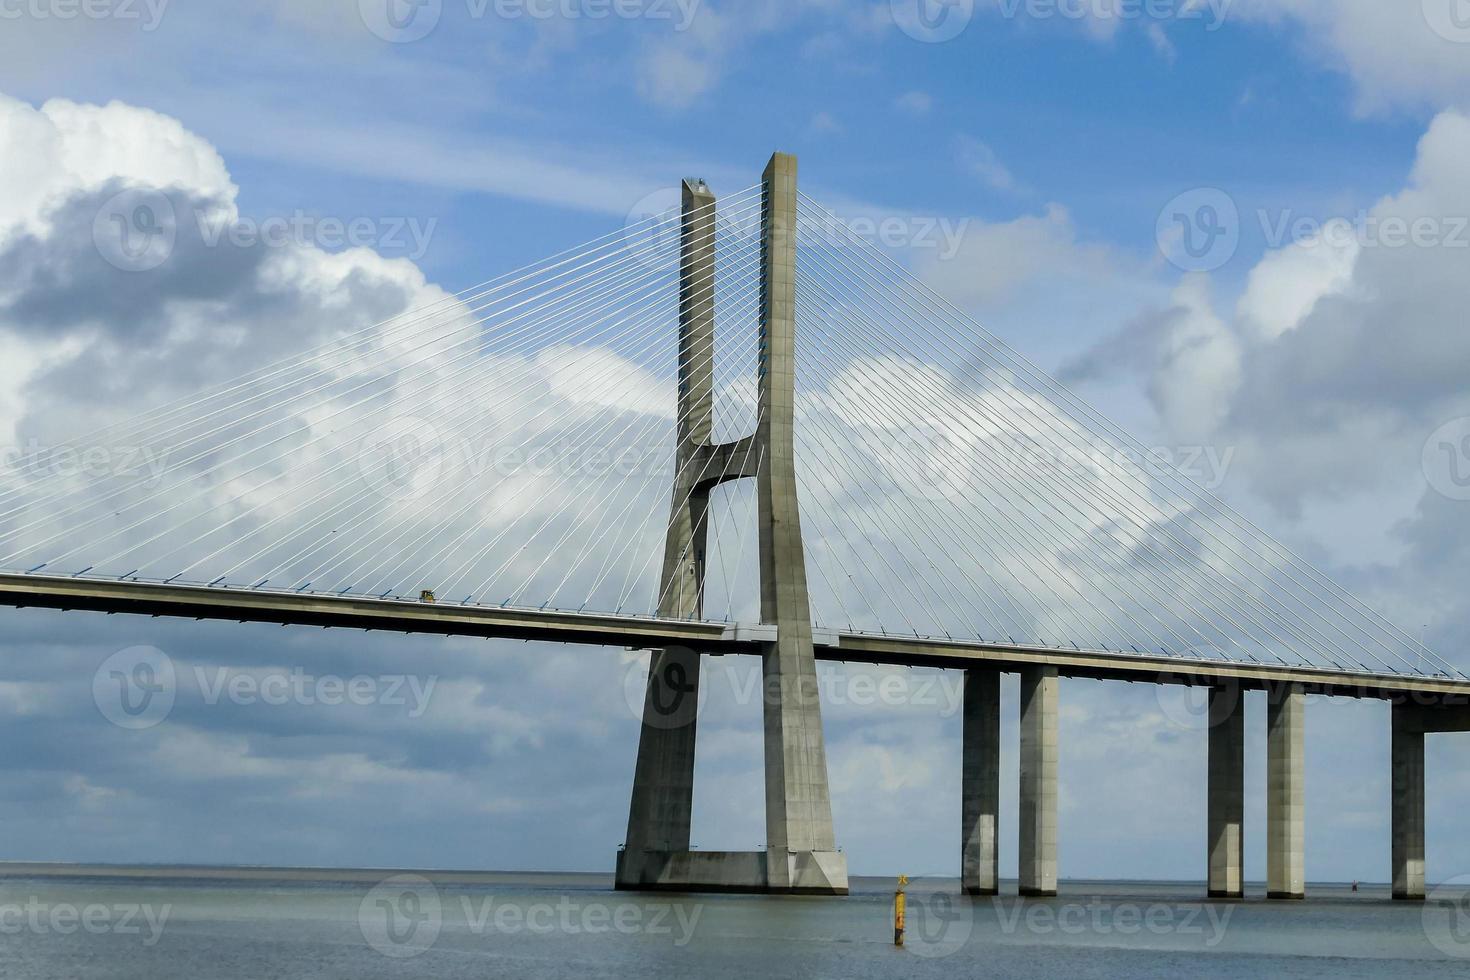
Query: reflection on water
[[380, 924]]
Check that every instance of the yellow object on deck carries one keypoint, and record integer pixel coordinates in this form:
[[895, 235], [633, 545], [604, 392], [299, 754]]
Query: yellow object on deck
[[426, 596]]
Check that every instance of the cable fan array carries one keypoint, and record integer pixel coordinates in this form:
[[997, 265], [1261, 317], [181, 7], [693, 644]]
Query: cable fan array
[[950, 488], [513, 445]]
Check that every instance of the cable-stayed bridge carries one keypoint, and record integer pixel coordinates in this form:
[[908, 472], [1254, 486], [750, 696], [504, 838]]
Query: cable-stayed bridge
[[737, 428]]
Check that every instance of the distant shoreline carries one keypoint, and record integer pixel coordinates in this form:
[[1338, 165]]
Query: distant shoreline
[[195, 872], [309, 875]]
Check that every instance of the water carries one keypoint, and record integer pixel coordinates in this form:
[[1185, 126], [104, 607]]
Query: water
[[161, 925]]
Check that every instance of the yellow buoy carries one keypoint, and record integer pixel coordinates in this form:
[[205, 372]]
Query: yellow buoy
[[899, 902]]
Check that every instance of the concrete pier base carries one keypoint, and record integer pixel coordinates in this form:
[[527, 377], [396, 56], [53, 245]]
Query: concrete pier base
[[1285, 792], [1226, 793], [1038, 804], [980, 787], [809, 873], [1408, 803]]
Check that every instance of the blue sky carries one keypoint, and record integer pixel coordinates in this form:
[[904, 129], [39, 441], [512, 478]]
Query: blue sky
[[325, 116], [1057, 141]]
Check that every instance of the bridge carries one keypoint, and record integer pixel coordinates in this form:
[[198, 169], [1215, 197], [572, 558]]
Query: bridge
[[918, 493]]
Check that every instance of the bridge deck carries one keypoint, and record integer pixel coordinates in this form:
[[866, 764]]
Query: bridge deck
[[602, 629]]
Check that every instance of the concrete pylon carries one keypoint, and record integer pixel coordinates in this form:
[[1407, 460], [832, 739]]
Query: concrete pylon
[[1038, 802], [801, 854], [980, 783], [663, 781], [1408, 802], [801, 848], [1226, 793], [1285, 792]]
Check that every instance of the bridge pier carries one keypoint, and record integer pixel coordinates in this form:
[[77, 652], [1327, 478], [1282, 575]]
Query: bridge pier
[[663, 779], [1038, 803], [980, 783], [1285, 792], [801, 854], [800, 842], [1408, 802], [1226, 793]]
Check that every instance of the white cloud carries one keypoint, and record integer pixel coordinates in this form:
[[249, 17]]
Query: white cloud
[[1288, 283], [980, 160], [1159, 38], [1344, 350], [1199, 366], [996, 261], [65, 147], [915, 102], [1391, 50], [825, 124], [675, 77]]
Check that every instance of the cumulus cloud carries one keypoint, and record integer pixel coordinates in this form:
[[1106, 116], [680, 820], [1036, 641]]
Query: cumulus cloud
[[1187, 356], [1289, 283], [1373, 352], [1340, 355], [1398, 55], [1341, 359], [64, 148]]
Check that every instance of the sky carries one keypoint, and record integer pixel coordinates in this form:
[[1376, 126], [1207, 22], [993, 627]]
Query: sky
[[1239, 225]]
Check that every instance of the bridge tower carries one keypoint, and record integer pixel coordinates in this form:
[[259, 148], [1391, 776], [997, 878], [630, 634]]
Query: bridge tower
[[801, 854]]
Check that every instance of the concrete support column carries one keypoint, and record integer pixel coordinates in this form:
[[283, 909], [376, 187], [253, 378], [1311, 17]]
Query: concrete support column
[[1038, 830], [1408, 803], [801, 853], [1285, 792], [663, 779], [801, 848], [980, 787], [1226, 794]]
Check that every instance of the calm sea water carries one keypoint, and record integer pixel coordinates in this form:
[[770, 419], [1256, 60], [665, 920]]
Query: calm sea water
[[573, 926]]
